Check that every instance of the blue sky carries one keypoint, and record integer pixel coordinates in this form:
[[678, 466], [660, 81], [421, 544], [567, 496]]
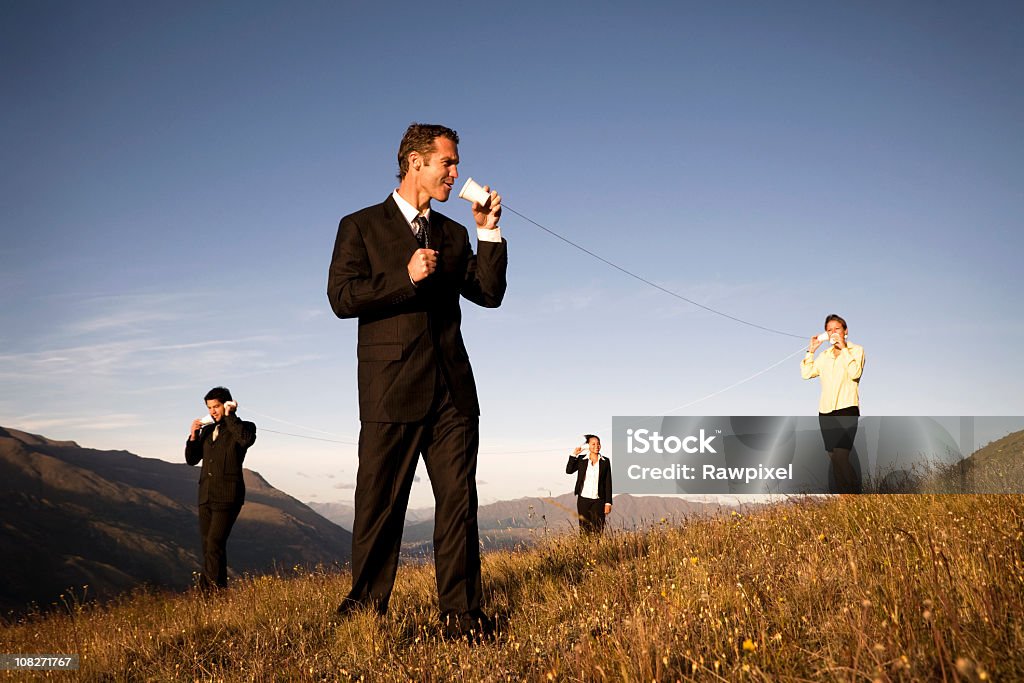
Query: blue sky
[[174, 174]]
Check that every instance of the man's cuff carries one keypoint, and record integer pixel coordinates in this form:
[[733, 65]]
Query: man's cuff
[[485, 235]]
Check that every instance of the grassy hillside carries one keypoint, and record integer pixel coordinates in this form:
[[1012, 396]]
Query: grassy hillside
[[998, 467], [857, 588]]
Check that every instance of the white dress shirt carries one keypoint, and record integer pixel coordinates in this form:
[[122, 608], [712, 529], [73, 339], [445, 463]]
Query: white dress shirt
[[410, 212], [591, 478]]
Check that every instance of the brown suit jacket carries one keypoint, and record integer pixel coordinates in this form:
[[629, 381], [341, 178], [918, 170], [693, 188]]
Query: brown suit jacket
[[407, 334]]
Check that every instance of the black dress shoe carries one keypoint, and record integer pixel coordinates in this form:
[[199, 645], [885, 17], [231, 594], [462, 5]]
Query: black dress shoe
[[473, 626], [349, 606], [485, 624]]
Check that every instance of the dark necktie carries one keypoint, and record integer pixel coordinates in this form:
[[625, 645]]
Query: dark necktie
[[422, 231]]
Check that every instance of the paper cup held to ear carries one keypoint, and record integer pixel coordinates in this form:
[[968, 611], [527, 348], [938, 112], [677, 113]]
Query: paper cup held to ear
[[472, 192]]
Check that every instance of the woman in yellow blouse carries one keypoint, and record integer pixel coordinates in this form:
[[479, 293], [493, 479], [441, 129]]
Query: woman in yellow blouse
[[840, 367]]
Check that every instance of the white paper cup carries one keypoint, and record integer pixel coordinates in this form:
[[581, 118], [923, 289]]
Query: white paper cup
[[206, 420], [823, 337], [472, 192]]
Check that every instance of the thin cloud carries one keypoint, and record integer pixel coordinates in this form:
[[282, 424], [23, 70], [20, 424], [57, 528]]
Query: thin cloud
[[132, 311], [33, 423], [200, 345], [570, 300], [91, 358], [134, 357], [160, 389]]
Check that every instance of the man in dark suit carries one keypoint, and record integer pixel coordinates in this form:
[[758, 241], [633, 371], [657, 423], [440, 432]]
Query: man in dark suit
[[221, 444], [401, 268], [593, 484]]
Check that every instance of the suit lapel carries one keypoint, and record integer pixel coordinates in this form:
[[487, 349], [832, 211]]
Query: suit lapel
[[396, 224]]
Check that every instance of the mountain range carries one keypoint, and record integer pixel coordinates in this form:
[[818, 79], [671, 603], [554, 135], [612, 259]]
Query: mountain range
[[77, 521], [525, 520]]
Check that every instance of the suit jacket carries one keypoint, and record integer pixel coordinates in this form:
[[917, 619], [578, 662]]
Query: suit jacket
[[580, 463], [220, 479], [407, 334]]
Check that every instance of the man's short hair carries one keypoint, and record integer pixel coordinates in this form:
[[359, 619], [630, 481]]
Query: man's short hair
[[835, 318], [419, 137], [218, 394]]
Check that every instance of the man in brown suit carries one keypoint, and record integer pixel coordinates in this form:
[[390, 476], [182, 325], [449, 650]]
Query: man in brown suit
[[401, 268]]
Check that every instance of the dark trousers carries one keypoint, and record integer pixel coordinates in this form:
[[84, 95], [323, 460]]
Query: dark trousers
[[388, 453], [215, 522], [591, 513]]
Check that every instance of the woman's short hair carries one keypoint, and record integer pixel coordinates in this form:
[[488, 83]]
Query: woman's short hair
[[588, 437]]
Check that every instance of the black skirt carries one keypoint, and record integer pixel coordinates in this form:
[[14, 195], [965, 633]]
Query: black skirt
[[839, 428]]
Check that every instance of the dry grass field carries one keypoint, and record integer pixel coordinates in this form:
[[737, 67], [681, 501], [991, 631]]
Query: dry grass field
[[886, 588]]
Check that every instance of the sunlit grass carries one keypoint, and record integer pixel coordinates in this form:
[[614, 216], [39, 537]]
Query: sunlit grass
[[853, 588]]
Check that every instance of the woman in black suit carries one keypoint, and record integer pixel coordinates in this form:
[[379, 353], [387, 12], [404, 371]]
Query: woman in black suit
[[593, 484]]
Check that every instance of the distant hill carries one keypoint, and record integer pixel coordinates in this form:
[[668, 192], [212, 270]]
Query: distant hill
[[74, 516], [996, 468], [509, 523], [343, 514]]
